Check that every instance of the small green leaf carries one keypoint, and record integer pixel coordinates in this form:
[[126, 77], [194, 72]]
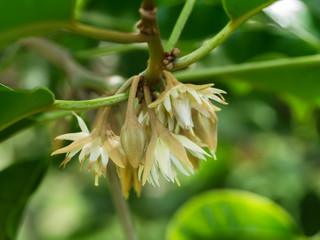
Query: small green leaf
[[23, 18], [18, 104], [237, 9], [17, 183], [231, 214]]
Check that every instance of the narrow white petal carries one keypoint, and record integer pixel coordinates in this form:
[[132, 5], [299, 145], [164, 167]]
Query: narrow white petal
[[178, 164], [85, 151], [170, 175], [191, 146], [82, 125], [209, 104], [191, 170], [162, 115], [140, 171], [171, 124], [216, 90], [94, 154], [183, 111], [174, 93], [162, 155], [72, 136], [197, 154], [155, 175], [167, 104], [73, 153], [214, 97], [195, 95], [104, 156]]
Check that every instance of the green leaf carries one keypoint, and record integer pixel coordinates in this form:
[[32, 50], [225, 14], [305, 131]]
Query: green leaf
[[231, 214], [18, 104], [24, 18], [17, 183], [31, 121], [237, 9], [296, 76]]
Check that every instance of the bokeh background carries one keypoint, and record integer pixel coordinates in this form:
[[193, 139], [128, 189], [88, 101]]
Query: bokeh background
[[268, 140]]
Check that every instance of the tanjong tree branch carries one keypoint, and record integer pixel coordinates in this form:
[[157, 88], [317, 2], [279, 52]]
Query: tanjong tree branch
[[149, 26]]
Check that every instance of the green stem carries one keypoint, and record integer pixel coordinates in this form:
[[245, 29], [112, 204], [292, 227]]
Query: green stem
[[42, 28], [89, 104], [154, 68], [105, 35], [219, 38], [203, 74], [156, 52], [177, 30], [120, 204], [108, 50], [205, 49]]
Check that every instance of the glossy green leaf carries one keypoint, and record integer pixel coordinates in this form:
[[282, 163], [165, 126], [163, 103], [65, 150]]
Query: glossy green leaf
[[296, 76], [18, 104], [237, 9], [17, 183], [22, 18], [31, 121], [231, 214]]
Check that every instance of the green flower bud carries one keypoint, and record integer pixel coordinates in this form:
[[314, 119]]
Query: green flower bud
[[133, 140]]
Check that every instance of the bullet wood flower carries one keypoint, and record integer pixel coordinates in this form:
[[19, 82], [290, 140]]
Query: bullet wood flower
[[175, 103], [167, 152], [90, 146]]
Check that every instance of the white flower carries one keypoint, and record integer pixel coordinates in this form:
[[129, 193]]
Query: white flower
[[89, 146], [174, 105], [166, 154]]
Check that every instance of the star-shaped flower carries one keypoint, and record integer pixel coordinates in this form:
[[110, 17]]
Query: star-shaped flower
[[174, 105], [90, 147]]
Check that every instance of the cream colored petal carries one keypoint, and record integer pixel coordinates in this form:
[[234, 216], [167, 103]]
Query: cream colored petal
[[76, 145], [82, 124], [155, 176], [162, 156], [216, 91], [173, 144], [199, 87], [73, 153], [160, 98], [182, 110], [167, 104], [85, 151], [72, 136], [104, 156], [200, 108], [191, 146], [177, 163], [195, 95], [94, 154], [174, 93], [171, 124], [149, 157], [112, 148]]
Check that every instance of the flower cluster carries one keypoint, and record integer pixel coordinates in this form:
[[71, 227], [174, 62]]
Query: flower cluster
[[162, 135]]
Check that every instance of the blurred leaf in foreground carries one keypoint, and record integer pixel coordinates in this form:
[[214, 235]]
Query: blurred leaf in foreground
[[232, 214], [17, 183]]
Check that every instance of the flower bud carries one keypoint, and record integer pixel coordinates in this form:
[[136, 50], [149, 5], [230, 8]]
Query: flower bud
[[206, 129], [133, 140], [175, 52]]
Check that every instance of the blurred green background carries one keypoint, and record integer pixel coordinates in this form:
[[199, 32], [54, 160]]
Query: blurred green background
[[268, 140]]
